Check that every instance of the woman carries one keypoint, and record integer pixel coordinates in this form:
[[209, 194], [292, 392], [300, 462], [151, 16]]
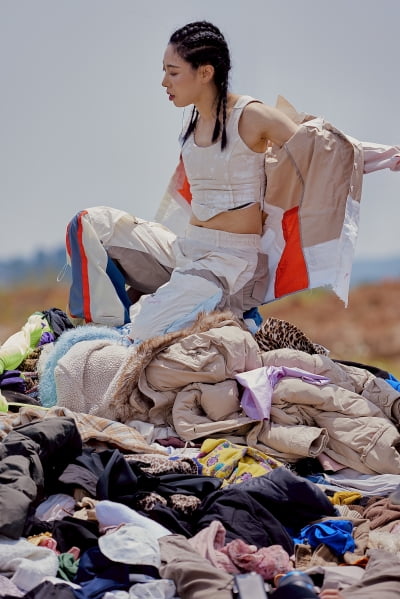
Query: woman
[[218, 263], [125, 269]]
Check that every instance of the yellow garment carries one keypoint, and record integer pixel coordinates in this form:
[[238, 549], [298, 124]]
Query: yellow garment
[[37, 539], [17, 347], [234, 463], [345, 497]]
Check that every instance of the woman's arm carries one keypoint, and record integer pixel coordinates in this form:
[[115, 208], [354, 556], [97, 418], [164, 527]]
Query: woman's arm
[[260, 124]]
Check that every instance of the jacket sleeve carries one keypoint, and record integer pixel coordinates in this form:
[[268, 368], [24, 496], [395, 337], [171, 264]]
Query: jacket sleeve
[[379, 156]]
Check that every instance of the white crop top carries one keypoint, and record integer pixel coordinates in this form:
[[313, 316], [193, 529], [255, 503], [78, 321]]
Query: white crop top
[[222, 180]]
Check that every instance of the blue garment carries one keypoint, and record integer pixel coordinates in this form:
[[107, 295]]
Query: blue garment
[[97, 574], [336, 534], [322, 479], [393, 381], [253, 314], [253, 320]]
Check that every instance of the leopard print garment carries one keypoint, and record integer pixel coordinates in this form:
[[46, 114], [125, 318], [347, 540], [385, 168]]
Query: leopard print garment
[[28, 369], [276, 334], [159, 464], [185, 504]]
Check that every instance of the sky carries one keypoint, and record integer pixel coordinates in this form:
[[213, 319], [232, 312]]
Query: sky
[[84, 120]]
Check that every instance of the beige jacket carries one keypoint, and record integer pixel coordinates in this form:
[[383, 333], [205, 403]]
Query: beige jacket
[[312, 199], [355, 410], [187, 379], [190, 385]]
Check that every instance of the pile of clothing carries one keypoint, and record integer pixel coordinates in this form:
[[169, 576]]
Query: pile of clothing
[[166, 469]]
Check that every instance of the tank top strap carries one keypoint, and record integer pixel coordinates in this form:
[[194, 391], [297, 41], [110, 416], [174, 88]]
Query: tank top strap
[[237, 109]]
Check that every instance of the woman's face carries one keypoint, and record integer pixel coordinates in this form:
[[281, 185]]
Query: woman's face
[[181, 80]]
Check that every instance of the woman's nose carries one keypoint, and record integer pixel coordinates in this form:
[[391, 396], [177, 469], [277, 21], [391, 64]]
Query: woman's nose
[[163, 82]]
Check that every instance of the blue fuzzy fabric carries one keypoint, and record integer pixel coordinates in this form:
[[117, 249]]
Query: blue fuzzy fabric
[[47, 383]]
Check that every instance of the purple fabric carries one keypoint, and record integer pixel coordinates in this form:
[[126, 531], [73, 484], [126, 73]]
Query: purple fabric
[[46, 338], [259, 385], [12, 379]]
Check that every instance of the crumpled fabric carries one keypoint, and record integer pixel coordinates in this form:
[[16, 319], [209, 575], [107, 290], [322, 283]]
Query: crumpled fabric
[[393, 381], [336, 534], [238, 556], [9, 588], [381, 512], [28, 563], [379, 156], [58, 321], [12, 379], [209, 542], [259, 385], [266, 561], [233, 463], [345, 497], [155, 589], [17, 347]]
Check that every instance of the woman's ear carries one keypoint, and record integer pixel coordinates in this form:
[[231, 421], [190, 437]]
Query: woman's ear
[[207, 72]]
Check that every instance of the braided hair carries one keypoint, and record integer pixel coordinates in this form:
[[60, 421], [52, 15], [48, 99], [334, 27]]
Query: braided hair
[[201, 43]]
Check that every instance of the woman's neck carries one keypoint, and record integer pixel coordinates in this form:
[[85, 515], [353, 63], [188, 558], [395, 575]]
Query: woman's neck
[[207, 105]]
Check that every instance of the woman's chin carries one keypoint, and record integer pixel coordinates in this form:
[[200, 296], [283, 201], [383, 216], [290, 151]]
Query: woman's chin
[[180, 103]]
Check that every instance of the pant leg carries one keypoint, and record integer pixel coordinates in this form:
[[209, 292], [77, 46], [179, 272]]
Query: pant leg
[[214, 270], [109, 249]]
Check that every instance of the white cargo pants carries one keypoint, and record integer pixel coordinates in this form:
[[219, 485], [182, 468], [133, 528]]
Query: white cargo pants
[[178, 277]]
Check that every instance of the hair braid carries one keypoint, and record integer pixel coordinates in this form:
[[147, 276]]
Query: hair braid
[[192, 124], [201, 43], [224, 99], [217, 126]]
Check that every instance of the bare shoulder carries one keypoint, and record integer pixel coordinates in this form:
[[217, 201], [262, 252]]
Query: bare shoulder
[[264, 112], [262, 122]]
